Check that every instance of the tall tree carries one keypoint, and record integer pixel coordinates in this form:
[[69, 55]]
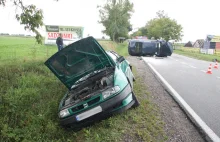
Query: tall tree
[[141, 32], [30, 16], [161, 27], [115, 16], [161, 14], [164, 27]]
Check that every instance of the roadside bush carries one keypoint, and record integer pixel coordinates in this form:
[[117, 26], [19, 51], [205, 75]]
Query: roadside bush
[[29, 102]]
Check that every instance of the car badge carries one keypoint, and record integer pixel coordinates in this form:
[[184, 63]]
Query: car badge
[[85, 105]]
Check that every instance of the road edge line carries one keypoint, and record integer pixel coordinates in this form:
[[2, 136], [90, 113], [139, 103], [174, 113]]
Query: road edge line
[[210, 135]]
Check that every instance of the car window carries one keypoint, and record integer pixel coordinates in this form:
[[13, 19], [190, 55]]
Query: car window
[[149, 44], [132, 43]]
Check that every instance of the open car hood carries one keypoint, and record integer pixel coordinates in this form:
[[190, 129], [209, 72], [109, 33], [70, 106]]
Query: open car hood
[[78, 60]]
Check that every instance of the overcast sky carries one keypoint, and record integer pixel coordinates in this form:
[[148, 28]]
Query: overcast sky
[[197, 17]]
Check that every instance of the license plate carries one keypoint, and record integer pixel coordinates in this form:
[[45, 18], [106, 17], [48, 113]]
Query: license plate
[[88, 113]]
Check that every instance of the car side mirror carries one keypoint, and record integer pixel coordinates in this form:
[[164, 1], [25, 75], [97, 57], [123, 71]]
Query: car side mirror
[[120, 59]]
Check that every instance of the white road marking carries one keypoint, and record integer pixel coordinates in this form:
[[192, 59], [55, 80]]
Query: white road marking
[[209, 132], [202, 70], [192, 66]]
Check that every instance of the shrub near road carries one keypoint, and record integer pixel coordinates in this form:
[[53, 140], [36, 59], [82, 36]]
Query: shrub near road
[[30, 94]]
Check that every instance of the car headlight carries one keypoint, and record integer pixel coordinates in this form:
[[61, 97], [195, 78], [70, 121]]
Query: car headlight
[[110, 92], [64, 113]]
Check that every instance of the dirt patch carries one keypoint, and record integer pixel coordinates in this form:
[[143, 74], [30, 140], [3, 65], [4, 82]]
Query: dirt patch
[[176, 124]]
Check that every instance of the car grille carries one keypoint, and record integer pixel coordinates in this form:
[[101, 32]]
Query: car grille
[[93, 101], [90, 103]]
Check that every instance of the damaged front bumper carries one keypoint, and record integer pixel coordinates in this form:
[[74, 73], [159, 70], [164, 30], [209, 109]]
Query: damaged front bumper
[[123, 101]]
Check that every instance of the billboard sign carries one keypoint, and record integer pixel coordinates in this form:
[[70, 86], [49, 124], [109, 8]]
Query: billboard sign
[[70, 34], [213, 38]]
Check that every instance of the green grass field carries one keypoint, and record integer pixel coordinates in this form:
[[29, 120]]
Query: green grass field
[[23, 49], [30, 94], [195, 53]]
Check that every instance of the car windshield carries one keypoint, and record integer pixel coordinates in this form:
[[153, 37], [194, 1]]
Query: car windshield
[[113, 56]]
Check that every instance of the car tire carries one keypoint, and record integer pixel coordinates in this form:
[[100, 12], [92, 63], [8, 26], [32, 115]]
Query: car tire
[[136, 104]]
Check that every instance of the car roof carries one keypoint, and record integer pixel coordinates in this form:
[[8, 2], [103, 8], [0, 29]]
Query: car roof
[[142, 40]]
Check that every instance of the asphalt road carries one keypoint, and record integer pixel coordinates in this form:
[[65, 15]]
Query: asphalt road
[[200, 90]]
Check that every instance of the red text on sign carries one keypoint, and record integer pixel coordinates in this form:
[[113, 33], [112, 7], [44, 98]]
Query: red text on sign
[[55, 35]]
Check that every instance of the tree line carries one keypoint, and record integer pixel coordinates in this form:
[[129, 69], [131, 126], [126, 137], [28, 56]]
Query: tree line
[[161, 27], [114, 15]]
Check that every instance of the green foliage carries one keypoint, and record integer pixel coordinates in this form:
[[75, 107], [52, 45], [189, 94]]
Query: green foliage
[[22, 49], [161, 14], [120, 48], [114, 16], [165, 28], [30, 95], [31, 17], [161, 27], [195, 53], [141, 32]]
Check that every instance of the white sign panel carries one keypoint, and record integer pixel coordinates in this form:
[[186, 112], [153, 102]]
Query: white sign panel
[[70, 34], [211, 51], [207, 51]]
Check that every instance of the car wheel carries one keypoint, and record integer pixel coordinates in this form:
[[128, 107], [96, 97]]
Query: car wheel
[[130, 67], [136, 104]]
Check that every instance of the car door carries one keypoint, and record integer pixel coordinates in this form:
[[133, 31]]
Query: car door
[[138, 48]]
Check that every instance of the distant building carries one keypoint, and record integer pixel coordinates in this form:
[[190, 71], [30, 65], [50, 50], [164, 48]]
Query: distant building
[[189, 44], [199, 43], [121, 39], [212, 42]]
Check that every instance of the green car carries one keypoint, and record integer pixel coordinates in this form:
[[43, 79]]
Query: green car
[[99, 82]]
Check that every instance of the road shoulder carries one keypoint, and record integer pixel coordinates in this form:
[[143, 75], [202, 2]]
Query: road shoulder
[[176, 124]]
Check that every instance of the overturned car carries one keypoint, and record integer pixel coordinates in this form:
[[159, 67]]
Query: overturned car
[[99, 82], [143, 47], [164, 49]]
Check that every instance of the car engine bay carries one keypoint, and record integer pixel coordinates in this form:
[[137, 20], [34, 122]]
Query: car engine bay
[[91, 86]]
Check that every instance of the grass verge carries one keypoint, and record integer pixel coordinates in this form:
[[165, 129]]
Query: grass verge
[[197, 55], [29, 97], [120, 48], [29, 100]]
